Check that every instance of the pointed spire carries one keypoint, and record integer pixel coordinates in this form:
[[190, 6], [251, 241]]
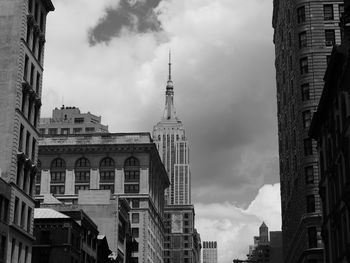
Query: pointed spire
[[170, 82], [169, 112]]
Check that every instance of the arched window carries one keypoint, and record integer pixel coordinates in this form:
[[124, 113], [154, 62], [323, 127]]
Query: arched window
[[107, 173], [82, 174], [131, 175], [58, 176]]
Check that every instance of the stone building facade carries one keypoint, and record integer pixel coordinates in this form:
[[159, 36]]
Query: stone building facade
[[22, 41], [128, 165], [210, 252], [304, 34], [69, 120], [330, 127]]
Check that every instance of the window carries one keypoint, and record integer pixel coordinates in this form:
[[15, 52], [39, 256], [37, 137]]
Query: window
[[80, 187], [38, 77], [77, 130], [308, 147], [135, 218], [310, 204], [135, 203], [52, 131], [15, 215], [25, 72], [30, 6], [19, 252], [302, 39], [2, 247], [23, 208], [20, 143], [309, 175], [328, 12], [305, 92], [58, 176], [304, 68], [107, 187], [89, 129], [131, 188], [341, 9], [107, 171], [42, 131], [306, 119], [312, 236], [33, 149], [29, 218], [135, 232], [32, 75], [330, 37], [78, 120], [132, 175], [57, 189], [301, 14], [82, 174], [65, 131]]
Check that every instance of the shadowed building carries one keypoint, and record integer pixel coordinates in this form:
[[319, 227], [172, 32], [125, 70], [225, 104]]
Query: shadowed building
[[304, 34], [210, 252], [22, 41], [126, 165], [69, 120], [330, 127]]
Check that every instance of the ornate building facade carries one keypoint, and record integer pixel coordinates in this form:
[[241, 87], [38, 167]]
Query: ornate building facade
[[22, 41], [128, 165], [304, 34], [330, 127]]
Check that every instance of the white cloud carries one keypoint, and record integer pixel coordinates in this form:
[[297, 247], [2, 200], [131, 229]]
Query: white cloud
[[234, 227]]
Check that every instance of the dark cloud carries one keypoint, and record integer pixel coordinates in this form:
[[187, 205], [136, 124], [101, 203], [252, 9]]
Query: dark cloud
[[135, 16]]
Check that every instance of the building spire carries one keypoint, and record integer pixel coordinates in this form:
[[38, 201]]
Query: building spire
[[169, 112], [169, 65], [170, 84]]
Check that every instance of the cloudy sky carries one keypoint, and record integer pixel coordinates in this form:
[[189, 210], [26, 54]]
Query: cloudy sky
[[110, 57]]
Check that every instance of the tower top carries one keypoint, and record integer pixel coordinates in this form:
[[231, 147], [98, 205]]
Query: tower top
[[170, 84]]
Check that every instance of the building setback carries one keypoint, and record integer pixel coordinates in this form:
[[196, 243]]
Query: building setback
[[304, 34], [210, 252], [69, 120], [128, 165], [22, 41], [330, 127]]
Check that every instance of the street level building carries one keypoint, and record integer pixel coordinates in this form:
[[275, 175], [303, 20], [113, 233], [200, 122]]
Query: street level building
[[304, 34], [22, 41], [128, 165], [330, 127], [64, 237], [5, 196], [69, 120], [210, 252]]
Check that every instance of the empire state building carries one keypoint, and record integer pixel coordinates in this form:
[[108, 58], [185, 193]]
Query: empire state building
[[170, 139]]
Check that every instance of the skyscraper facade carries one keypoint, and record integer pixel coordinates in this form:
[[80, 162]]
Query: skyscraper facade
[[170, 139], [304, 34], [210, 252], [22, 40]]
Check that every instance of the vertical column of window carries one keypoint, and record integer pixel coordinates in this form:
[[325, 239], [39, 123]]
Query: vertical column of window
[[107, 174], [328, 13], [20, 141], [57, 176], [33, 149], [38, 178], [27, 143], [82, 175], [132, 175], [37, 83], [304, 67], [15, 211]]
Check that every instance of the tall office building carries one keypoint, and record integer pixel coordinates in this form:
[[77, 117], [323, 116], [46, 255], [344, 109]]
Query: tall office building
[[22, 40], [210, 252], [169, 136], [69, 120], [304, 33]]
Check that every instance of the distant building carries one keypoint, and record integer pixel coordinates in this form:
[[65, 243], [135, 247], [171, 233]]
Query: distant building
[[265, 250], [128, 165], [69, 120], [22, 45], [210, 252], [304, 34], [330, 127], [181, 238], [64, 237]]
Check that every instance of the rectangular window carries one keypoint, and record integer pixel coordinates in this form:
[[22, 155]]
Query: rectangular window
[[15, 215], [57, 189], [30, 6], [26, 61], [308, 147], [341, 9], [31, 82], [13, 246], [131, 188], [310, 204], [77, 130], [27, 143], [19, 252], [304, 67], [135, 218], [52, 131], [26, 254], [2, 247], [312, 236], [306, 119], [29, 218], [23, 209], [106, 176], [37, 190], [81, 187], [135, 232], [42, 131], [78, 120], [33, 149], [107, 187], [20, 143], [328, 12], [65, 131], [132, 176], [135, 203], [89, 129], [37, 84], [302, 39], [82, 176], [58, 177], [330, 37], [301, 14], [305, 92], [309, 175]]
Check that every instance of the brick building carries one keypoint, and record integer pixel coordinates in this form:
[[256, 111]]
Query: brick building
[[128, 165], [330, 127], [22, 41], [304, 34]]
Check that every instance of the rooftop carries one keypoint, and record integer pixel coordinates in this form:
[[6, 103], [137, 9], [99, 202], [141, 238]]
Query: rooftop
[[41, 213]]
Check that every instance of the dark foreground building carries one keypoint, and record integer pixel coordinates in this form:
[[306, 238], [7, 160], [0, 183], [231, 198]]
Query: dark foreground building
[[304, 34], [331, 128]]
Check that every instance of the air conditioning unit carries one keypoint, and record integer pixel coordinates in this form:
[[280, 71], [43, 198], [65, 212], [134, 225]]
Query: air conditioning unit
[[329, 43]]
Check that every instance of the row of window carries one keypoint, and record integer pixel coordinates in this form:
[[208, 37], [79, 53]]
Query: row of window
[[328, 12], [22, 256], [22, 215], [29, 143], [35, 10], [54, 131]]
